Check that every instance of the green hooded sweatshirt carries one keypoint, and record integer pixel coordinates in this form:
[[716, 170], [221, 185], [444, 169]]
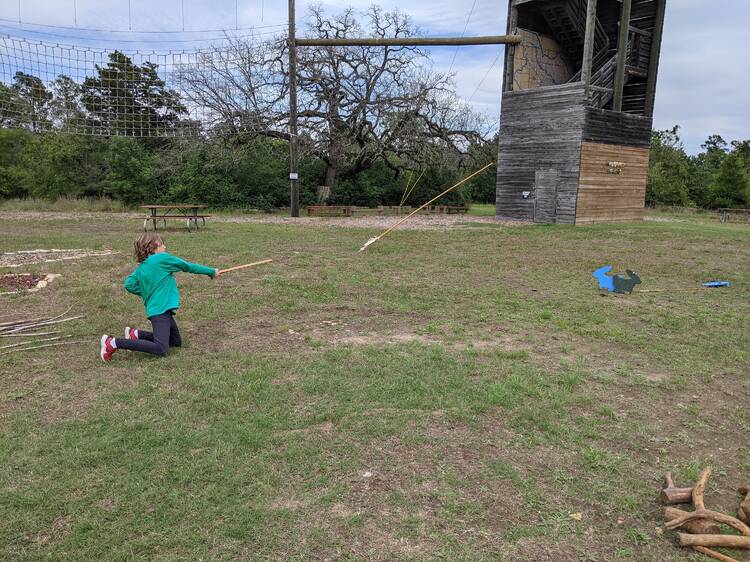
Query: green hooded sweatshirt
[[154, 283]]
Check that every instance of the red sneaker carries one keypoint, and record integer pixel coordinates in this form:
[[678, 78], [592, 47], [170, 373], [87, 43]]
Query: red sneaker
[[131, 333], [107, 348]]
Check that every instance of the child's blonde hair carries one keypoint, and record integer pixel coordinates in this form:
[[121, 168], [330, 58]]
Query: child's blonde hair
[[146, 245]]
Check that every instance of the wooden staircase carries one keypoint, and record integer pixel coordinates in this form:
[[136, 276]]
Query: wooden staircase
[[567, 22]]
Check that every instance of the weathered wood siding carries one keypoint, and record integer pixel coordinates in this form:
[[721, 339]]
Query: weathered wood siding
[[613, 127], [545, 200], [540, 129], [611, 197]]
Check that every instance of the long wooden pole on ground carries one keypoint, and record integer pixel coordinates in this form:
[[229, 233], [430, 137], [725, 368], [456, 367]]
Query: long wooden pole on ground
[[293, 138], [588, 46], [622, 51]]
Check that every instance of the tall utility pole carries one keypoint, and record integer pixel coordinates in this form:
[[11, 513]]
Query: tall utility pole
[[293, 138]]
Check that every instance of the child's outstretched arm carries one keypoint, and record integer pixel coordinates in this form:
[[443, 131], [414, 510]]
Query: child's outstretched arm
[[132, 285], [174, 263]]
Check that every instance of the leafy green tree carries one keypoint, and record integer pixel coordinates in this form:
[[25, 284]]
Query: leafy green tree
[[13, 175], [668, 171], [132, 172], [731, 185], [62, 165], [28, 102], [130, 100], [66, 109], [742, 149]]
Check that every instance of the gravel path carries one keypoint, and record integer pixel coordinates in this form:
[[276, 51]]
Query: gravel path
[[417, 222]]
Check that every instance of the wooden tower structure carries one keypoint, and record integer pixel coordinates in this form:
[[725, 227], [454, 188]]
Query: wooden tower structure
[[577, 107]]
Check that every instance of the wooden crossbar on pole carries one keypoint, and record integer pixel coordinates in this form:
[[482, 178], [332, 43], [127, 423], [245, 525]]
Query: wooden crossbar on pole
[[415, 211], [409, 41], [236, 267]]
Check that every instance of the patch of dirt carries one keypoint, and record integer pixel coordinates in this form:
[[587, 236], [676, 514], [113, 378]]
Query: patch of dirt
[[13, 282], [58, 529], [290, 504], [380, 339], [541, 549], [29, 282], [28, 257], [323, 326]]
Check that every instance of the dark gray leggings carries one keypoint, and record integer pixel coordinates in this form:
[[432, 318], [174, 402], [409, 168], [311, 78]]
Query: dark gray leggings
[[165, 335]]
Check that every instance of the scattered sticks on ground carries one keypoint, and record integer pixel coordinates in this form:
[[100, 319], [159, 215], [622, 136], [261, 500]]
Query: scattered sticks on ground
[[28, 328], [703, 524]]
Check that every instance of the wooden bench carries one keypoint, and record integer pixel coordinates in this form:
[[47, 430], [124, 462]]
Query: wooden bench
[[188, 220], [329, 211], [724, 214], [449, 209]]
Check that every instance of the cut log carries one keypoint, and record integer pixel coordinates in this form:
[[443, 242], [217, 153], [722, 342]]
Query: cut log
[[700, 488], [714, 516], [696, 526], [729, 541], [714, 554], [743, 513], [671, 495]]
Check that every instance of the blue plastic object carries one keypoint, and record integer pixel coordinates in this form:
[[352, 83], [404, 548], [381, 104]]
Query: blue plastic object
[[716, 284], [616, 283], [605, 281]]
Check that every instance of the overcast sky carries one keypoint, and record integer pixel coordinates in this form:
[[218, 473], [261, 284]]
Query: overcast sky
[[704, 74]]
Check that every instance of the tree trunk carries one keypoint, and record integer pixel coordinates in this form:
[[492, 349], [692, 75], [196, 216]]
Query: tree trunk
[[330, 181]]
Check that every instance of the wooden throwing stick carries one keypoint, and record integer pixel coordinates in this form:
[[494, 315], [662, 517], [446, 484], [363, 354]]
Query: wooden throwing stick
[[236, 267]]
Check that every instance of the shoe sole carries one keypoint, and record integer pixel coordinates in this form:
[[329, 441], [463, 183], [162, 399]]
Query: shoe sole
[[127, 332], [103, 347]]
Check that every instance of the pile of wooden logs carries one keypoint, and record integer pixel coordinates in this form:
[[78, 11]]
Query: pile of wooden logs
[[32, 332], [702, 525]]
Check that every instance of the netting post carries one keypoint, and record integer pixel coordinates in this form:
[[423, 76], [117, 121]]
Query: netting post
[[293, 138]]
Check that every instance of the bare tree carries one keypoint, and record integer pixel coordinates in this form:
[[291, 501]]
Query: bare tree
[[240, 88], [356, 106], [360, 105]]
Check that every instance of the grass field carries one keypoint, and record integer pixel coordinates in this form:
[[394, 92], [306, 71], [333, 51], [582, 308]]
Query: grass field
[[447, 394]]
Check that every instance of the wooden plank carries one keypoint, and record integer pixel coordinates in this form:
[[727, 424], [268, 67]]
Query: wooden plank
[[545, 196], [540, 131], [617, 128], [622, 51], [408, 41], [611, 197]]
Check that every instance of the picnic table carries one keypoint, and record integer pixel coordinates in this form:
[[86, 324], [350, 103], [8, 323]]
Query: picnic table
[[726, 213], [188, 212]]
